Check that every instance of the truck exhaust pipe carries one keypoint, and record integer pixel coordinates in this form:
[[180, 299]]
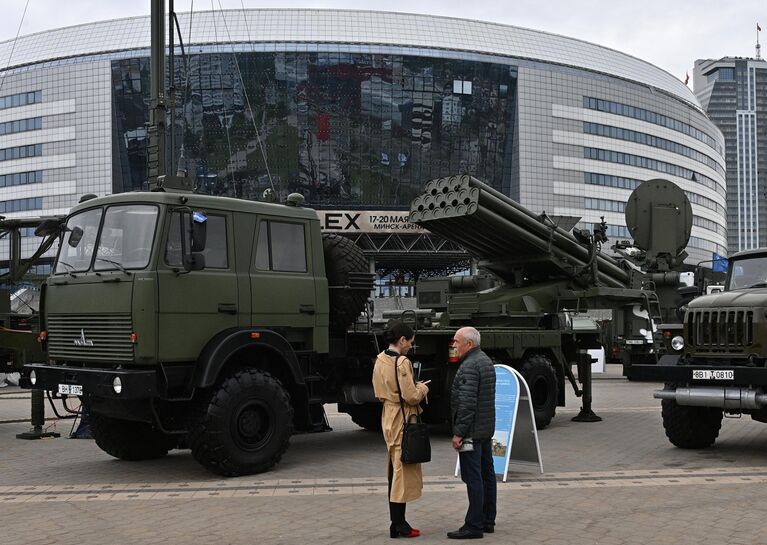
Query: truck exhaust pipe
[[712, 396]]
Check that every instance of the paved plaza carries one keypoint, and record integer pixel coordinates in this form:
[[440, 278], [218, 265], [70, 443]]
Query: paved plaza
[[609, 483]]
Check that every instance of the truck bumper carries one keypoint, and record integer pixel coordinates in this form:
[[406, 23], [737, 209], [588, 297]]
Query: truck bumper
[[135, 383], [683, 374]]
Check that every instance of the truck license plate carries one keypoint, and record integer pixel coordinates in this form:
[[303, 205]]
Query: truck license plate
[[71, 389], [710, 374]]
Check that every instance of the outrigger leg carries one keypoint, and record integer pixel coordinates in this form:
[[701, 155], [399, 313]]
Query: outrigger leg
[[38, 419], [584, 376]]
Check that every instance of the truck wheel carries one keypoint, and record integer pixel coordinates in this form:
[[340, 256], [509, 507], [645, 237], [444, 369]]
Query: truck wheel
[[244, 426], [343, 256], [367, 415], [128, 440], [544, 388], [690, 427]]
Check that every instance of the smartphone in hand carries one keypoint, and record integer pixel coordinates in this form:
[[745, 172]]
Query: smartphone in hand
[[417, 370]]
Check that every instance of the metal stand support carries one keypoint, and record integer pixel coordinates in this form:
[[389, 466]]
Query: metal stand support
[[38, 419], [584, 375]]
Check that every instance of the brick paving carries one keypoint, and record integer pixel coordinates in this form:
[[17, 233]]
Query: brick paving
[[615, 482]]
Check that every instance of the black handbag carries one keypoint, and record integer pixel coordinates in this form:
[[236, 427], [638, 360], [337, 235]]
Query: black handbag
[[416, 447]]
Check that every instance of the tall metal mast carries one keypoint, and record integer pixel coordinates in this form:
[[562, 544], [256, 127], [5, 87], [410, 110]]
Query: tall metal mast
[[162, 178], [157, 106]]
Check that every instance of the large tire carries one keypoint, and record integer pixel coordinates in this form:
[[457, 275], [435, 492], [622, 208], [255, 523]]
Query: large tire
[[544, 388], [691, 427], [367, 415], [343, 256], [244, 425], [128, 440]]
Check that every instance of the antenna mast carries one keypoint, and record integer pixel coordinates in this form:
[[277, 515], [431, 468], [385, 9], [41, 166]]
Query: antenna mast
[[157, 106]]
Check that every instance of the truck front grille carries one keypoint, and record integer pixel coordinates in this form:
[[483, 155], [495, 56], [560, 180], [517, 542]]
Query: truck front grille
[[721, 331], [86, 337]]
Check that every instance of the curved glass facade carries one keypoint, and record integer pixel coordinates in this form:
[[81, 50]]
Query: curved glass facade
[[350, 130]]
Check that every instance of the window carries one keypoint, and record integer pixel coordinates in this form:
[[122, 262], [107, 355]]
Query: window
[[215, 252], [21, 152], [281, 247], [75, 255], [21, 125], [650, 117], [126, 237], [461, 87], [21, 178], [21, 99], [21, 205]]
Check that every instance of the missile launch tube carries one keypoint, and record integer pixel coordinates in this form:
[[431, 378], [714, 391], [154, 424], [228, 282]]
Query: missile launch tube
[[492, 226], [490, 236]]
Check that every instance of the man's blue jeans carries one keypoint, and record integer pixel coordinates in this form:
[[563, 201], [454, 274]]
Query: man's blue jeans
[[479, 475]]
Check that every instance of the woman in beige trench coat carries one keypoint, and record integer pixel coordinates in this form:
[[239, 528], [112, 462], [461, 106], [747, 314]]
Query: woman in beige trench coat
[[405, 480]]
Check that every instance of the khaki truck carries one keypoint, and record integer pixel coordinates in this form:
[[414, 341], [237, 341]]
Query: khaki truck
[[720, 368]]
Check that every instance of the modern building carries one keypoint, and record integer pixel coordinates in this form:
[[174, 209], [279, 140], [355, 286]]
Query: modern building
[[733, 91], [357, 110]]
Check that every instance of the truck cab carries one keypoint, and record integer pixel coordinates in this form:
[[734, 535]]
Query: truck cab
[[721, 368]]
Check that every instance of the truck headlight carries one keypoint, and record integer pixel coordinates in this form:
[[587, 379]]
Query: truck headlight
[[32, 378], [677, 343], [117, 385]]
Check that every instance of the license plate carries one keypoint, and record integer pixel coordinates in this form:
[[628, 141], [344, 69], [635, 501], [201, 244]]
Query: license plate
[[71, 389], [712, 374], [635, 341]]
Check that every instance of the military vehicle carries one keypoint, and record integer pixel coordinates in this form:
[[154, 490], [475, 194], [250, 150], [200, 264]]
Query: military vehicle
[[19, 315], [720, 368], [225, 325]]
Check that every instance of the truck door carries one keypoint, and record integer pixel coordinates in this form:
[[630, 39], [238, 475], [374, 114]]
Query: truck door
[[194, 306], [282, 280]]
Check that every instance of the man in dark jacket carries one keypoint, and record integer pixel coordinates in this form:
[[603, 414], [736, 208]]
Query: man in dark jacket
[[473, 406]]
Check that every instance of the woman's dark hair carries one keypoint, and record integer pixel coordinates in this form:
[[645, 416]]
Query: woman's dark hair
[[397, 329]]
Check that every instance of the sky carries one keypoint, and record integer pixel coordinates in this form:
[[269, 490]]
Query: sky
[[670, 34]]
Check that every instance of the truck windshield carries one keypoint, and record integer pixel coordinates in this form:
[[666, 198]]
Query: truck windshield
[[125, 241], [79, 242], [126, 237], [748, 273]]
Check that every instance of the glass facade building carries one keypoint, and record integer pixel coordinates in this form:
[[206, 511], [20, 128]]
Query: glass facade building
[[357, 110], [733, 92]]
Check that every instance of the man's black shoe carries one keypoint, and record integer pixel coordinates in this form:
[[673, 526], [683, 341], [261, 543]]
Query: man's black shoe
[[489, 529], [465, 533]]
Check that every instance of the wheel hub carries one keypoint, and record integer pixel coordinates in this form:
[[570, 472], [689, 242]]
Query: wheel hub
[[253, 426]]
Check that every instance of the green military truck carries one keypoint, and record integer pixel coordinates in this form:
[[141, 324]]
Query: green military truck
[[721, 365], [224, 325]]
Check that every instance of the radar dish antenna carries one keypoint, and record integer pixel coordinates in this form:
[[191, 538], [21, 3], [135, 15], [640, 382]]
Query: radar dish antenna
[[659, 218]]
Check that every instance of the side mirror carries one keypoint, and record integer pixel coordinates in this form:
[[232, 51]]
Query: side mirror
[[75, 237], [199, 230], [194, 262]]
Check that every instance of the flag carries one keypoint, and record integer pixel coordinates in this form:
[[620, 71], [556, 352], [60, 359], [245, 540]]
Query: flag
[[758, 28], [686, 77], [719, 263]]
